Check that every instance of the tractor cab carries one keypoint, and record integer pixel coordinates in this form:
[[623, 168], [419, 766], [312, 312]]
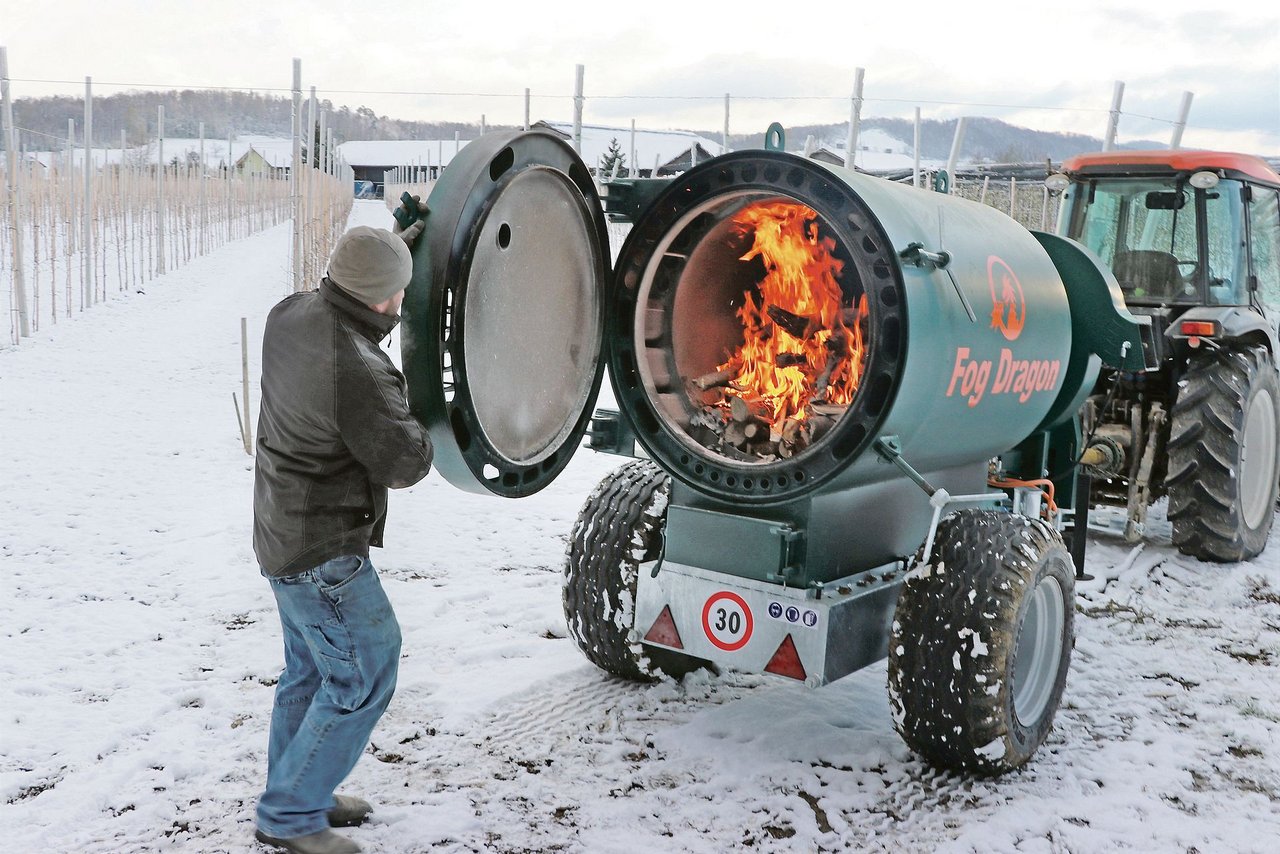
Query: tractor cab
[[1180, 228]]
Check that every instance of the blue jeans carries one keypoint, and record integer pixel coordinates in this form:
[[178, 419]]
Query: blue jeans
[[341, 654]]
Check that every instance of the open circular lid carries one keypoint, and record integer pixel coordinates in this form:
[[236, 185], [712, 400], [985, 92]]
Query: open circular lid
[[504, 317]]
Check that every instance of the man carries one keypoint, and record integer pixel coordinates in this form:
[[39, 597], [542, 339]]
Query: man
[[334, 433]]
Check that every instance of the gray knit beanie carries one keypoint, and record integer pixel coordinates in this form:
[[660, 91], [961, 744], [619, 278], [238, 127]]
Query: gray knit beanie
[[371, 264]]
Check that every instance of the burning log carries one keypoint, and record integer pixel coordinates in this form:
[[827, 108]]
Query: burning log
[[734, 434], [720, 378], [752, 416], [837, 349], [822, 417], [802, 327], [795, 325], [792, 431], [792, 439], [756, 431], [791, 360], [746, 410]]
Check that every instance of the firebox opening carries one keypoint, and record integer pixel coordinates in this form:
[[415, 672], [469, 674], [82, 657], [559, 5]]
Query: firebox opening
[[754, 328]]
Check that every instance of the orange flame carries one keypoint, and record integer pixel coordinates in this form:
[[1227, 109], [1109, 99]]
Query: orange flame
[[801, 280]]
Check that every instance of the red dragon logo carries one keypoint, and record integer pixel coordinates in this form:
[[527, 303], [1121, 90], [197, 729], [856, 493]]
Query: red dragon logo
[[1009, 307]]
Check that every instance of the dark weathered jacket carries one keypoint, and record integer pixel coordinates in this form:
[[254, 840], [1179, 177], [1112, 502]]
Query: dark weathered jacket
[[334, 432]]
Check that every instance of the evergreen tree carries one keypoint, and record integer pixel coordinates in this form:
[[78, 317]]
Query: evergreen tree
[[613, 158]]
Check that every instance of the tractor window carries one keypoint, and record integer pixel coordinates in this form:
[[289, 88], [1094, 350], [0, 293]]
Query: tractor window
[[1264, 227], [1225, 237], [1145, 230], [1149, 230]]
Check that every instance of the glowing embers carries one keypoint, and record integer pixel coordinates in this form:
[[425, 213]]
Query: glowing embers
[[803, 345]]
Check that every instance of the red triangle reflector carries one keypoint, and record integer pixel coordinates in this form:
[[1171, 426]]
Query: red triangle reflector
[[663, 631], [786, 661]]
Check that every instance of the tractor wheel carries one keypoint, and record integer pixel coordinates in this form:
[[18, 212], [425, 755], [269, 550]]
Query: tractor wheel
[[981, 642], [618, 528], [1223, 461]]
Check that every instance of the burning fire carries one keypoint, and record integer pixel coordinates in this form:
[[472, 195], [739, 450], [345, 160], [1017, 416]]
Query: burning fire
[[800, 345]]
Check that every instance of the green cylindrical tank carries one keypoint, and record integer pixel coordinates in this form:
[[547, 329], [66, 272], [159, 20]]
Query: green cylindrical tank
[[968, 329]]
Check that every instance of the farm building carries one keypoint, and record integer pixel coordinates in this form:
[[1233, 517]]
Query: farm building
[[266, 157], [371, 159]]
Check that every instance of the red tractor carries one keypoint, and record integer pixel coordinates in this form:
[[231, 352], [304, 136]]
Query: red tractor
[[1193, 238]]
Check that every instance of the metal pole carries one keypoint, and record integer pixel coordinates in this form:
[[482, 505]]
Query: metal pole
[[915, 169], [309, 220], [204, 218], [526, 109], [126, 210], [484, 127], [579, 71], [855, 119], [632, 170], [1183, 112], [160, 192], [1113, 123], [71, 196], [231, 164], [724, 141], [11, 180], [956, 142], [295, 194], [88, 293]]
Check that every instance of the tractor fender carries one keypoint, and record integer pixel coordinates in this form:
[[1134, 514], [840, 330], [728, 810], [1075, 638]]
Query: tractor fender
[[1234, 322]]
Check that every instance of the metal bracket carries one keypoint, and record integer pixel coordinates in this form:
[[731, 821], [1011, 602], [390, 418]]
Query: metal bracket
[[916, 254]]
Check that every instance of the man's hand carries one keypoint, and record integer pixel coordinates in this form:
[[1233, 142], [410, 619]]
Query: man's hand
[[417, 215]]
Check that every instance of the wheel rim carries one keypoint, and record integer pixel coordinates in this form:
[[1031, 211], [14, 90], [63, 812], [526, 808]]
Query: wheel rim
[[1258, 458], [1038, 652]]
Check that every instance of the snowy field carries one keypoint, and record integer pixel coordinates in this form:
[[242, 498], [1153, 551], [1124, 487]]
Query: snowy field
[[140, 647]]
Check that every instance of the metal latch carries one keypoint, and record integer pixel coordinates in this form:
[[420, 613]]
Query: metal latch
[[791, 541]]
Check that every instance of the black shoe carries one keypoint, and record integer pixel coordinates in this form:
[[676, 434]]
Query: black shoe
[[324, 842]]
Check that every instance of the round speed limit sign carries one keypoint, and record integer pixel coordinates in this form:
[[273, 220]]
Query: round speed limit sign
[[726, 621]]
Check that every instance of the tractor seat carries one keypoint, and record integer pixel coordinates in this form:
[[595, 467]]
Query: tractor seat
[[1147, 273]]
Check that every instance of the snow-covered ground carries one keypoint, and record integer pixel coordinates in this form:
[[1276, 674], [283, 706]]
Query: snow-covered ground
[[139, 647]]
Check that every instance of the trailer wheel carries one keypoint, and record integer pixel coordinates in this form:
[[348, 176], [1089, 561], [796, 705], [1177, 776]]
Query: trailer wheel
[[1223, 462], [618, 528], [981, 642]]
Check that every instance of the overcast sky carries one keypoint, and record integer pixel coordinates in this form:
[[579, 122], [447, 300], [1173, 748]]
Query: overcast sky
[[669, 64]]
